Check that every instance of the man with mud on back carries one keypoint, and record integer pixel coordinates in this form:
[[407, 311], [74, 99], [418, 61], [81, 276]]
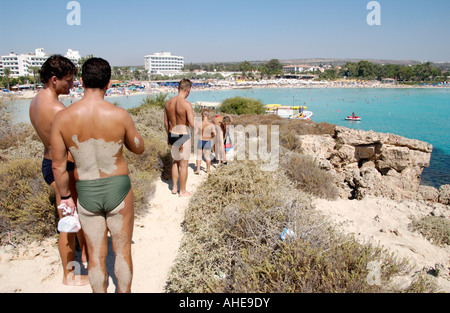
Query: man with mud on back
[[95, 131]]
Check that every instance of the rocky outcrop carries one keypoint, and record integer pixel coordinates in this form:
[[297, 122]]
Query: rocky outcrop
[[370, 163]]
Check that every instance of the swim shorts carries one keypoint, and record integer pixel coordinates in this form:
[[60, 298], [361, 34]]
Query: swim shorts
[[103, 195], [178, 140], [201, 144], [47, 171]]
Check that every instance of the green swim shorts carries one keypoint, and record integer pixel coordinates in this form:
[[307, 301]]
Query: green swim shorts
[[103, 195]]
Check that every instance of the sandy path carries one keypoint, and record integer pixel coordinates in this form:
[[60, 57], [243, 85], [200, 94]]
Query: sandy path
[[156, 240]]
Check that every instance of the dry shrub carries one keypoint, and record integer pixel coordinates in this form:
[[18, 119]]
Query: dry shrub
[[145, 169], [155, 162], [434, 228], [308, 176], [289, 129], [27, 203], [232, 241]]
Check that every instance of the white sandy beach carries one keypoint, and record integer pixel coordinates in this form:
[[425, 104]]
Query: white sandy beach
[[157, 236]]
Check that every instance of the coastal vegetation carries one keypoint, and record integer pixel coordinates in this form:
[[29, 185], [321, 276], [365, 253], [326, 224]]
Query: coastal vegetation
[[234, 242], [424, 72], [240, 105], [234, 224]]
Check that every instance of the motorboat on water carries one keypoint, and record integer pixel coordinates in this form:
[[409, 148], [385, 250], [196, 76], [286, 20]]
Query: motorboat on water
[[305, 115], [289, 112], [353, 118]]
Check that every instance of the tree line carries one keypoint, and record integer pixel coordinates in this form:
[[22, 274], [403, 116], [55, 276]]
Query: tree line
[[425, 72]]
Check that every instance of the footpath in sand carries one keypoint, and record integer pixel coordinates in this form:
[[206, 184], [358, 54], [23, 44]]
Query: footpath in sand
[[156, 240]]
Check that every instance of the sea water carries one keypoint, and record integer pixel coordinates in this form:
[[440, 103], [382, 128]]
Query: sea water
[[416, 113]]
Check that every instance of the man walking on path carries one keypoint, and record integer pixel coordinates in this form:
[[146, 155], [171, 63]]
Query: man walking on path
[[57, 74], [178, 118], [95, 131]]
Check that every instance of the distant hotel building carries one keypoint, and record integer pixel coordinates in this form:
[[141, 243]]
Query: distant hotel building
[[295, 68], [163, 63], [22, 64]]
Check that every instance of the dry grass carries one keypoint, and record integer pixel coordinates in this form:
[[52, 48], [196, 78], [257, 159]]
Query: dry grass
[[434, 228], [307, 176], [27, 203], [232, 241]]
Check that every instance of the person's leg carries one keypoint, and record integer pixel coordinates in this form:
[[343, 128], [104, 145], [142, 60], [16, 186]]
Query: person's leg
[[66, 247], [185, 151], [208, 160], [175, 176], [96, 232], [80, 234], [120, 223], [199, 158]]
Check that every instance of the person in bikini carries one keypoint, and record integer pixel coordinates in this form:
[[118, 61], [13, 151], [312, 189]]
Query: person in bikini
[[94, 131], [57, 73], [178, 119], [206, 132]]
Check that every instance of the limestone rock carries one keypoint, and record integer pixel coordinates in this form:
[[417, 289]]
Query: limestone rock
[[369, 163]]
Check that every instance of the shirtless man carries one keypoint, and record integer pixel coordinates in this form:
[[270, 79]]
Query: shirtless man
[[95, 131], [178, 117], [206, 132], [57, 74]]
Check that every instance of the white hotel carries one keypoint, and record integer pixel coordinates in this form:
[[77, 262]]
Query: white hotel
[[21, 64], [163, 63]]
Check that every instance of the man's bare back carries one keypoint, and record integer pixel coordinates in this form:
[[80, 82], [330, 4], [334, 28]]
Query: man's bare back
[[178, 112], [178, 118], [100, 121]]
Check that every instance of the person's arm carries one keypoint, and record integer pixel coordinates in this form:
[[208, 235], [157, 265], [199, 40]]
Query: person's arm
[[166, 121], [59, 164], [190, 115], [133, 140]]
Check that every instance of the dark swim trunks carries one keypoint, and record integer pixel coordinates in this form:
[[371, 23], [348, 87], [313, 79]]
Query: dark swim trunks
[[47, 171], [178, 140], [204, 145]]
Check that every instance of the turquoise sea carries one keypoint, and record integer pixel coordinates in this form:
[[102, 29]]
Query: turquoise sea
[[415, 113]]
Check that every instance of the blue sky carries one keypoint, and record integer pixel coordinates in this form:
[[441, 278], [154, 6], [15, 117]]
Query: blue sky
[[123, 32]]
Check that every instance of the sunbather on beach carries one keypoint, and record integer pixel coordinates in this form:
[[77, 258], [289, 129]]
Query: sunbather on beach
[[95, 131], [206, 132], [57, 75], [178, 118]]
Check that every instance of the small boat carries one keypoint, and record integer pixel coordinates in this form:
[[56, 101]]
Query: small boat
[[353, 118], [306, 115]]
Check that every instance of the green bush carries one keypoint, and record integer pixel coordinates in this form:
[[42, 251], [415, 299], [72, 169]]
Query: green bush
[[239, 106], [153, 101]]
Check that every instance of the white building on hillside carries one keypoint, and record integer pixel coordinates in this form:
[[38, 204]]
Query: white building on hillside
[[73, 56], [23, 64], [164, 63]]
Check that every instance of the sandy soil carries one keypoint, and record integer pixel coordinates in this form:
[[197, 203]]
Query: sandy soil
[[157, 236], [385, 222]]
